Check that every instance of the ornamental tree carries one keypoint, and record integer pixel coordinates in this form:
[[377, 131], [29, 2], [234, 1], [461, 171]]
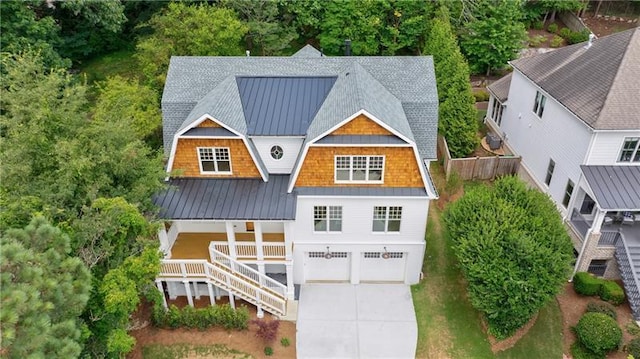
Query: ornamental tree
[[513, 250]]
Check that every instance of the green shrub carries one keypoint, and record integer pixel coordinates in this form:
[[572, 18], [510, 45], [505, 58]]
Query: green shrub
[[633, 347], [481, 95], [201, 318], [598, 332], [604, 308], [538, 25], [587, 284], [285, 342], [565, 32], [556, 41], [632, 328], [611, 292], [268, 351], [578, 351], [535, 41], [577, 37], [553, 28]]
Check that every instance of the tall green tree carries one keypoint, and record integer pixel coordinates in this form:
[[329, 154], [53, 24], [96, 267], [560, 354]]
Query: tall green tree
[[513, 250], [457, 114], [269, 32], [44, 291], [188, 30], [494, 35]]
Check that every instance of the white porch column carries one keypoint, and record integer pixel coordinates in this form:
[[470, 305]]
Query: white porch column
[[288, 240], [212, 298], [232, 301], [187, 288], [231, 239], [290, 286], [355, 267], [597, 221], [196, 291], [258, 238], [161, 289], [217, 292]]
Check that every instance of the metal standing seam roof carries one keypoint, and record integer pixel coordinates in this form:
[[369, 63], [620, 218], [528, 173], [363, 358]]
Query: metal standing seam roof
[[362, 191], [361, 140], [599, 84], [209, 131], [227, 198], [616, 188], [500, 88], [282, 106]]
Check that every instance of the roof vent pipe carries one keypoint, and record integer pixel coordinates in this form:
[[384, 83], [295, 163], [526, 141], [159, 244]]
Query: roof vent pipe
[[591, 38], [347, 47], [248, 53]]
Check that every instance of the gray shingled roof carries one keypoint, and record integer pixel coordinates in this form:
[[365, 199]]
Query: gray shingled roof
[[229, 199], [282, 106], [361, 140], [500, 88], [616, 188], [599, 84], [203, 84], [307, 51]]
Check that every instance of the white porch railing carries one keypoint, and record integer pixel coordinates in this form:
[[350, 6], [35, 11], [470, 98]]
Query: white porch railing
[[245, 271], [257, 292], [249, 250]]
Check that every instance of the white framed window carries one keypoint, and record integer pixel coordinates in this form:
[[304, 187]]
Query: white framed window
[[630, 150], [568, 191], [327, 218], [359, 169], [496, 111], [538, 106], [276, 152], [386, 219], [214, 160], [550, 168]]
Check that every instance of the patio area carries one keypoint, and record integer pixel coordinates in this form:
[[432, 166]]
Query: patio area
[[631, 232]]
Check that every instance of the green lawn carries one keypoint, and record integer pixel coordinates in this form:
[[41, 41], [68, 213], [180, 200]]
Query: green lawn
[[116, 63], [448, 326]]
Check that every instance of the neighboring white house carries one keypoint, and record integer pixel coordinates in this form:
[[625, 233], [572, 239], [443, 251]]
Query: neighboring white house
[[573, 114], [291, 170]]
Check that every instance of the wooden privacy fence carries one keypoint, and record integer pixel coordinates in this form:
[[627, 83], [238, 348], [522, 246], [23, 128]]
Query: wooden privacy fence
[[471, 168]]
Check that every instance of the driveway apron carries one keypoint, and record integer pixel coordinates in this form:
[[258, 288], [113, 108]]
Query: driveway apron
[[356, 321]]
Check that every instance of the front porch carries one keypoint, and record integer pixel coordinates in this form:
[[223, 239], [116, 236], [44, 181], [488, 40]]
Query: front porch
[[196, 246]]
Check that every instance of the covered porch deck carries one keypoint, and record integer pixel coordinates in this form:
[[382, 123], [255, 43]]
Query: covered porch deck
[[196, 245]]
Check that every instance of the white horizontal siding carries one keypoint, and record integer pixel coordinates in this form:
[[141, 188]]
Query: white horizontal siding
[[291, 147], [607, 146], [558, 135]]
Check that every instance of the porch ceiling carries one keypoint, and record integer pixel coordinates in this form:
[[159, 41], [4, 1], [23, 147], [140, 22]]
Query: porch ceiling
[[616, 188]]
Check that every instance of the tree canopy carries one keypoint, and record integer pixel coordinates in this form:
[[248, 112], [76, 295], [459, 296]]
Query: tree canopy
[[513, 250], [44, 290]]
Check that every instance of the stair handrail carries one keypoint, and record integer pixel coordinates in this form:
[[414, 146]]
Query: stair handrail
[[208, 267], [628, 254], [262, 281]]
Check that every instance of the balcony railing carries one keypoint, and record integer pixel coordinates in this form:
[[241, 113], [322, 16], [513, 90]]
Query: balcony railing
[[608, 238], [249, 250]]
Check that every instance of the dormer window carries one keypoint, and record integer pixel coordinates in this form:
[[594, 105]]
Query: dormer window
[[630, 151], [214, 160], [538, 106], [359, 169]]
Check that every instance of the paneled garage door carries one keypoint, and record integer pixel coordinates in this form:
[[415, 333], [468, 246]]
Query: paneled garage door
[[327, 266], [383, 266]]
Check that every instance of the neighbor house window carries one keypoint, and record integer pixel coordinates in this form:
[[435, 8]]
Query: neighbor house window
[[567, 193], [496, 112], [359, 168], [387, 219], [214, 160], [550, 168], [630, 151], [327, 218], [587, 205], [538, 106]]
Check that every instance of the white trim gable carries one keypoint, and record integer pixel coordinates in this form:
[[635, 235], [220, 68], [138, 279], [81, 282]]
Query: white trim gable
[[369, 116], [194, 124]]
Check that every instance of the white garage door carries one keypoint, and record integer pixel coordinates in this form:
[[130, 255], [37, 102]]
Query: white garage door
[[383, 266], [335, 267]]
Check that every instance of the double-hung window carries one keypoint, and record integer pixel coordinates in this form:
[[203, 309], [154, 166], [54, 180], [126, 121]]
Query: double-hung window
[[386, 219], [538, 106], [496, 112], [327, 218], [630, 151], [550, 168], [359, 169], [567, 193], [214, 160]]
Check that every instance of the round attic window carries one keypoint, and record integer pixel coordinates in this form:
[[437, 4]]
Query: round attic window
[[277, 152]]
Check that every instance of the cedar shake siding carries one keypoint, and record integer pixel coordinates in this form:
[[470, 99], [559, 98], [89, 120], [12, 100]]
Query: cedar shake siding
[[400, 167], [208, 123], [361, 125], [186, 160]]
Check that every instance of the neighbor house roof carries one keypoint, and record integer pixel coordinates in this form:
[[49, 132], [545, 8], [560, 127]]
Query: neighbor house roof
[[598, 83], [228, 198], [399, 91], [500, 88], [616, 188]]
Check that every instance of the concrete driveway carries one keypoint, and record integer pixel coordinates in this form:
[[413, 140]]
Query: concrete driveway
[[356, 321]]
